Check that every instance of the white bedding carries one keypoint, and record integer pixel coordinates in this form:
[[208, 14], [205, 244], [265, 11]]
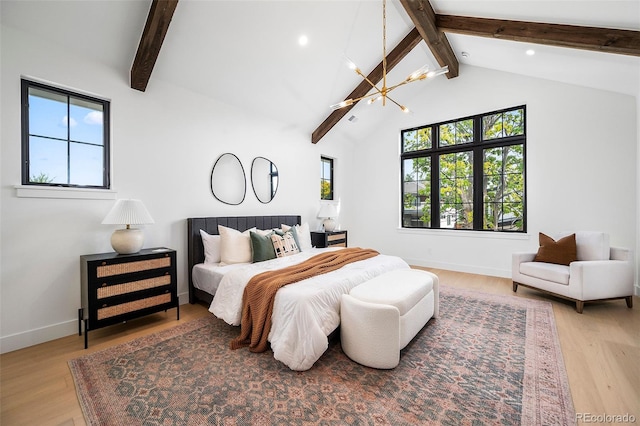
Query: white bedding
[[207, 276], [304, 313]]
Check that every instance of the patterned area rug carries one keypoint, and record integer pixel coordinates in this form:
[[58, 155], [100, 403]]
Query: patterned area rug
[[487, 360]]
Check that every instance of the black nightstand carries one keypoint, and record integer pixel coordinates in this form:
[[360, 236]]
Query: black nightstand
[[120, 287], [323, 239]]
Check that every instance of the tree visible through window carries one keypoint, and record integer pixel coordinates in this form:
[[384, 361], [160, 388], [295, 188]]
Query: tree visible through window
[[65, 137], [326, 178], [466, 174]]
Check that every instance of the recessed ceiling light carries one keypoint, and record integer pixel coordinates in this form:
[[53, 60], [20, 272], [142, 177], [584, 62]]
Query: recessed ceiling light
[[303, 40], [530, 52], [465, 54]]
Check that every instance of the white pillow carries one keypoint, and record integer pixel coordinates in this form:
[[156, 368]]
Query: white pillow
[[591, 245], [211, 245], [235, 246], [303, 234]]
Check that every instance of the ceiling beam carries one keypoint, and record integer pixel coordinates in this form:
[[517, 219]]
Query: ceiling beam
[[155, 29], [424, 18], [403, 48], [607, 40]]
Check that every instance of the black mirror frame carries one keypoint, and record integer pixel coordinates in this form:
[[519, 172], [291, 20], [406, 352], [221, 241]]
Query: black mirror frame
[[243, 175], [253, 186]]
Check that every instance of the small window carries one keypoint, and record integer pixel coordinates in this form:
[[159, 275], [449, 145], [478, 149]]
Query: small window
[[503, 124], [326, 178], [417, 139], [65, 137], [456, 132]]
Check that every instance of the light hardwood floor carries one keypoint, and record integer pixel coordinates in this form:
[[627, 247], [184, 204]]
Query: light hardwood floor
[[601, 350]]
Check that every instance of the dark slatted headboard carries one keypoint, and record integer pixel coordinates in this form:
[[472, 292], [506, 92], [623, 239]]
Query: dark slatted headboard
[[210, 226]]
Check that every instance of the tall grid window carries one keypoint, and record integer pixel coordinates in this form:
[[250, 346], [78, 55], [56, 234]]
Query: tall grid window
[[467, 173], [65, 137], [326, 178]]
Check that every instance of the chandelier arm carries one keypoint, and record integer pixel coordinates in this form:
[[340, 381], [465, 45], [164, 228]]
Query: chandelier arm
[[402, 107], [352, 102], [370, 95], [365, 78], [402, 83]]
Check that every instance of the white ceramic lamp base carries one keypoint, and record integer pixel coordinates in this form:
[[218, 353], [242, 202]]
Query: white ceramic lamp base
[[127, 241], [329, 224]]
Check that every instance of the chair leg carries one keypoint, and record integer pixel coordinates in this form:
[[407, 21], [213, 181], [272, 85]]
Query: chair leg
[[579, 306], [515, 286], [629, 300]]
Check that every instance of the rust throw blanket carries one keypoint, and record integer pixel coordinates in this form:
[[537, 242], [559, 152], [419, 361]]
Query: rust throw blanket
[[260, 292]]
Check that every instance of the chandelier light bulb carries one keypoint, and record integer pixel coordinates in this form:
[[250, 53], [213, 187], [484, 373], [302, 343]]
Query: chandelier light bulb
[[352, 65], [419, 73], [342, 104]]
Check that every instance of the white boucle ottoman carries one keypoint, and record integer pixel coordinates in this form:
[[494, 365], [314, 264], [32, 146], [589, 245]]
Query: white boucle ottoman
[[381, 316]]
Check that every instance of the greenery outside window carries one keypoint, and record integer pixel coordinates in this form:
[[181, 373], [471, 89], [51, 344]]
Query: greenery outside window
[[466, 173], [326, 178], [65, 137]]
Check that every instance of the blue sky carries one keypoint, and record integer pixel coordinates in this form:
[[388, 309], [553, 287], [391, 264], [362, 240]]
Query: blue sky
[[65, 144]]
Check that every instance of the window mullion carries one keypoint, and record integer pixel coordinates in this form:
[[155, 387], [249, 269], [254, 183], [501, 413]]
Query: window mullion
[[435, 190], [25, 134], [478, 175], [68, 140]]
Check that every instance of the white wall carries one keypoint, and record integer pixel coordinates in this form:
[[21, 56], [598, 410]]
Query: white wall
[[164, 142], [581, 169]]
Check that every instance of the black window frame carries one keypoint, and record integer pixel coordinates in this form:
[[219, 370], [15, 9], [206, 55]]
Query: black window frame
[[27, 84], [330, 179], [477, 146]]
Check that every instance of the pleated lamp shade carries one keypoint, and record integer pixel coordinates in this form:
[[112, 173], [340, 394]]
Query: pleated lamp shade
[[127, 212]]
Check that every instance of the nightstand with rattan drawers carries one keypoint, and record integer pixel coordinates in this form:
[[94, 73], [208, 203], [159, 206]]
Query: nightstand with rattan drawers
[[323, 239], [120, 287]]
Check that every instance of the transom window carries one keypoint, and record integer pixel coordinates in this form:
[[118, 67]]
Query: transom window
[[467, 173], [65, 137]]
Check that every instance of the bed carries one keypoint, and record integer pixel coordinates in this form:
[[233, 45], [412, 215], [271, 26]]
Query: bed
[[304, 314]]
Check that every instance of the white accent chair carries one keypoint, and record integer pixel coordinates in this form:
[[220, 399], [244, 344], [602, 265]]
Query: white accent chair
[[600, 273], [381, 316]]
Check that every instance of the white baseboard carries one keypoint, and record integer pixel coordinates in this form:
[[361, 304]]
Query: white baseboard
[[36, 336], [471, 269]]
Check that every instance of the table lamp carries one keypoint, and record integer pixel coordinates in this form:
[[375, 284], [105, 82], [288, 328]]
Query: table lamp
[[127, 212], [328, 212]]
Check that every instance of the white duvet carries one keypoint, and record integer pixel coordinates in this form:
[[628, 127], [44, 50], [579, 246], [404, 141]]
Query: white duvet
[[304, 313]]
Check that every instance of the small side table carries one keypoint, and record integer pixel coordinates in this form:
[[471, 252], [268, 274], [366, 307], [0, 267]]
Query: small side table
[[322, 239]]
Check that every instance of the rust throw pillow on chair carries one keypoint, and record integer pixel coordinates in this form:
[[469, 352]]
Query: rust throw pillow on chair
[[561, 252]]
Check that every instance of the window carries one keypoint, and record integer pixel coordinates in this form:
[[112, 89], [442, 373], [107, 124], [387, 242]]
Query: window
[[65, 138], [467, 173], [326, 178]]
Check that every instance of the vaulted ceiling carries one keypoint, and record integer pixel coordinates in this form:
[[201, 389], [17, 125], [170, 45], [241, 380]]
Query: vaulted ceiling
[[246, 53]]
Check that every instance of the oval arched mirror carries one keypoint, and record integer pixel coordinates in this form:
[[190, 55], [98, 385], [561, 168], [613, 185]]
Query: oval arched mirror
[[264, 179], [228, 182]]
